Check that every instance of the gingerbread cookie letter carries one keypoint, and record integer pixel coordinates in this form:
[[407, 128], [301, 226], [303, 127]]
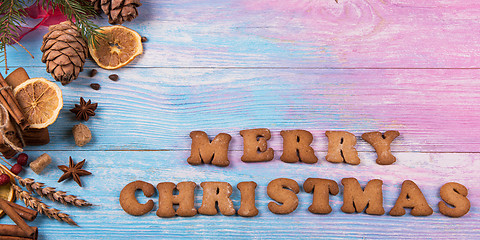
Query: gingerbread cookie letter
[[411, 197], [204, 151], [185, 199], [381, 143], [247, 205], [288, 197], [216, 192], [455, 194], [341, 147], [321, 189], [255, 147], [129, 202], [356, 200], [296, 147]]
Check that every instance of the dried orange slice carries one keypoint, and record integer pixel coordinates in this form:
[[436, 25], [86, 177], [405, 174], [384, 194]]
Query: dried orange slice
[[6, 191], [118, 47], [41, 101]]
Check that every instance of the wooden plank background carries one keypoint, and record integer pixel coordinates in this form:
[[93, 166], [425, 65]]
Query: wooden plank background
[[225, 66]]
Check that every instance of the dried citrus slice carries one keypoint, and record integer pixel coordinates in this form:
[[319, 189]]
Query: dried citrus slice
[[118, 47], [6, 191], [41, 101]]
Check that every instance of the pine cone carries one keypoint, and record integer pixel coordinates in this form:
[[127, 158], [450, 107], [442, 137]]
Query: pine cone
[[64, 51], [119, 11], [96, 5]]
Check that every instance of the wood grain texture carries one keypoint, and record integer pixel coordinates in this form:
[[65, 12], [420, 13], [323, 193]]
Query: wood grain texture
[[112, 170], [229, 65], [300, 33], [434, 110]]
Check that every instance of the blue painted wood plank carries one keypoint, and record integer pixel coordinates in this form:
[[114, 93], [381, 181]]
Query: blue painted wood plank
[[225, 66], [156, 109], [112, 170]]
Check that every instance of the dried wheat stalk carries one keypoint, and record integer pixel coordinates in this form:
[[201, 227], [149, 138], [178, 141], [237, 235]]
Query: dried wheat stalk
[[41, 207], [51, 192]]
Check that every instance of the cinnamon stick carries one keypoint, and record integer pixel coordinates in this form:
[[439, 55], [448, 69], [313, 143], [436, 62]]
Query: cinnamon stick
[[36, 137], [11, 103], [14, 238], [31, 136], [10, 138], [16, 218], [17, 77], [14, 232], [24, 212]]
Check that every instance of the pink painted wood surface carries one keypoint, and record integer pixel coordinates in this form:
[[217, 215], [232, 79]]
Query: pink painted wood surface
[[435, 110], [225, 66], [300, 33]]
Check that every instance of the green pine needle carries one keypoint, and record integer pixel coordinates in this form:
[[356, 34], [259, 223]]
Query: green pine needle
[[12, 17], [80, 12]]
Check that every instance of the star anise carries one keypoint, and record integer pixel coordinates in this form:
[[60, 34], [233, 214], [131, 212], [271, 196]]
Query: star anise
[[74, 171], [84, 110]]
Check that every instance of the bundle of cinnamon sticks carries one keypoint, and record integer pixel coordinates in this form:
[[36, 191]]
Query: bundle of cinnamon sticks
[[17, 213], [7, 99], [31, 136], [15, 127]]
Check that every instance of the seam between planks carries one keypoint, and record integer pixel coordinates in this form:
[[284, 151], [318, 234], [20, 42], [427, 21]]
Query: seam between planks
[[294, 68]]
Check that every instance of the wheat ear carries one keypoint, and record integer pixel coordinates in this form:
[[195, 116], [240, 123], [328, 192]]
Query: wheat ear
[[51, 193], [41, 207]]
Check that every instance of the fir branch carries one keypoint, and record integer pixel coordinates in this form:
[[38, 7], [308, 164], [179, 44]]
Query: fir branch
[[80, 13], [11, 18]]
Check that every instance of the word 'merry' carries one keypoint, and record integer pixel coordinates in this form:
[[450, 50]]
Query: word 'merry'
[[296, 147]]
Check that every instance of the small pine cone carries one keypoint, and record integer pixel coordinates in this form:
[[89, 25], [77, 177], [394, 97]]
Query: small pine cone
[[96, 5], [64, 52], [119, 11]]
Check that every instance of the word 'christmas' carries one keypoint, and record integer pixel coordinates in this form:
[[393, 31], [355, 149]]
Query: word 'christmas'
[[284, 193]]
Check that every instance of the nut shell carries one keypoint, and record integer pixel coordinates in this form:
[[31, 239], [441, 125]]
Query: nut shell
[[81, 134]]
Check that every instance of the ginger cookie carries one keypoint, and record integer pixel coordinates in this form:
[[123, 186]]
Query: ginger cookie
[[341, 147], [296, 147], [411, 197], [284, 191], [204, 151], [321, 188], [255, 147], [129, 202], [381, 143]]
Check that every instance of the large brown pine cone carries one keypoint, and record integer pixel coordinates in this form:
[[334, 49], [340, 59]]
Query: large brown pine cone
[[119, 11], [96, 4], [64, 51]]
